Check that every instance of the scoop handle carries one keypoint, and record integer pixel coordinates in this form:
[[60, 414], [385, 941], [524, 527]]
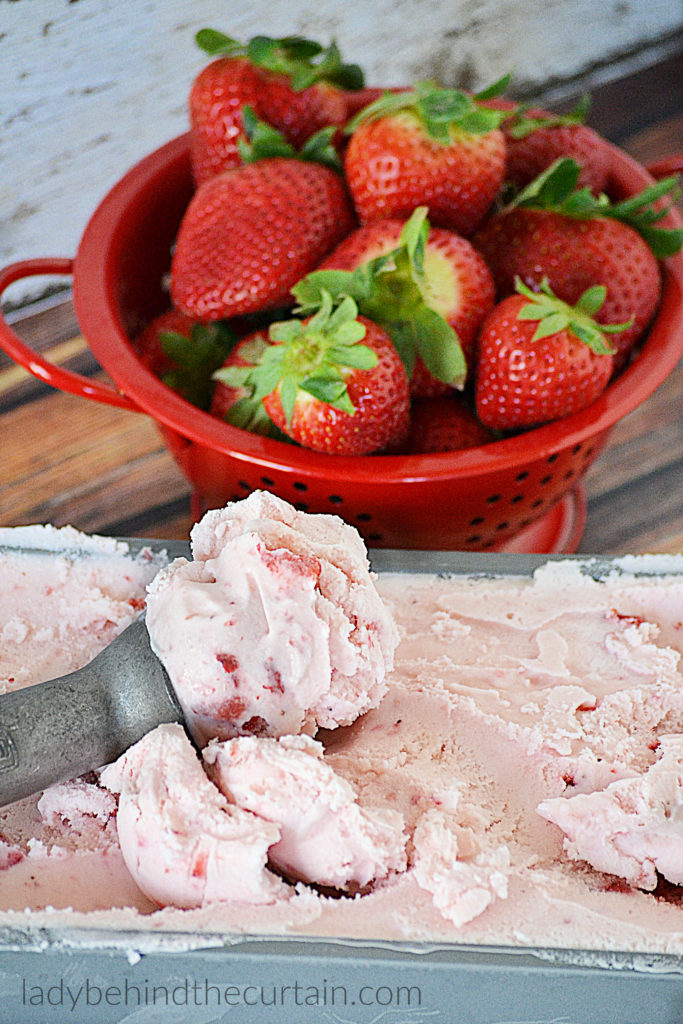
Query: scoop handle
[[67, 726]]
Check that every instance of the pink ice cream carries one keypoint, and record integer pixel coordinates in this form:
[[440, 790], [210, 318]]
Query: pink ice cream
[[634, 827], [182, 842], [327, 838], [276, 625]]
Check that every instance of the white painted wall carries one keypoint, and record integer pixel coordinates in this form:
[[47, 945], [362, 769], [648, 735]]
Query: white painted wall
[[88, 87]]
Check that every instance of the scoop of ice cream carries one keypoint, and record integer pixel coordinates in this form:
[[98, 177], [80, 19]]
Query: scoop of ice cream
[[634, 827], [182, 842], [275, 627], [326, 837]]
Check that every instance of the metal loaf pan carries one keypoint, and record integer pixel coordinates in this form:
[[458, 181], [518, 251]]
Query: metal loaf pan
[[101, 975]]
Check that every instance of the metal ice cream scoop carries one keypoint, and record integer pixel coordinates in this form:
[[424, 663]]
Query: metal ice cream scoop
[[67, 726]]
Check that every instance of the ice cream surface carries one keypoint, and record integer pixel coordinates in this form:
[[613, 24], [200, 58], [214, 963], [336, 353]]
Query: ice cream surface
[[325, 836], [275, 626], [516, 780]]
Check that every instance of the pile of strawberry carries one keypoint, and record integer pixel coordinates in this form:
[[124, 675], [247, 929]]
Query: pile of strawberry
[[395, 271]]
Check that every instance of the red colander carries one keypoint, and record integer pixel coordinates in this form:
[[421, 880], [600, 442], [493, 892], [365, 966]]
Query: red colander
[[479, 498]]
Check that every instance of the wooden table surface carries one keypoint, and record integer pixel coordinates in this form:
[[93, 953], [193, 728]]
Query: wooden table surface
[[68, 460]]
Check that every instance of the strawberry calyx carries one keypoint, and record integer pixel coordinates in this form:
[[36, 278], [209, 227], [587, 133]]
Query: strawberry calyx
[[555, 190], [196, 358], [519, 125], [314, 357], [264, 142], [247, 411], [554, 315], [304, 61], [439, 110], [391, 290]]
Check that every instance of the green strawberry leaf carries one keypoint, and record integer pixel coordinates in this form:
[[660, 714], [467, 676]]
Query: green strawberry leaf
[[331, 392], [264, 142], [554, 315], [217, 44], [196, 358], [555, 189], [438, 110], [304, 62], [519, 125], [495, 89]]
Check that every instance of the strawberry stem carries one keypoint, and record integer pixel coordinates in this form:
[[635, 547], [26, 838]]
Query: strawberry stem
[[264, 142], [555, 189], [554, 315], [519, 125], [303, 61], [390, 290], [440, 111], [314, 357]]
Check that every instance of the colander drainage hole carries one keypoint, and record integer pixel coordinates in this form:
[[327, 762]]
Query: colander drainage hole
[[267, 482], [552, 458], [477, 521], [521, 476], [545, 479], [335, 499], [244, 485], [364, 517], [300, 486], [516, 498], [474, 539], [492, 499]]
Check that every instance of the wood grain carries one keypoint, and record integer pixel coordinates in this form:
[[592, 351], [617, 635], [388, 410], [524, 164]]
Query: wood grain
[[68, 460]]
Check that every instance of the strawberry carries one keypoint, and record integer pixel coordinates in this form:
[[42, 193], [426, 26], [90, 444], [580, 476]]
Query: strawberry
[[577, 240], [325, 389], [184, 353], [291, 83], [443, 424], [540, 358], [536, 139], [148, 345], [416, 271], [431, 147], [250, 233]]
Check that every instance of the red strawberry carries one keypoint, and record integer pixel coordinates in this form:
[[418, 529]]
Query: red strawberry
[[291, 83], [444, 424], [218, 95], [333, 382], [250, 233], [576, 240], [426, 147], [540, 358], [449, 276], [536, 139], [148, 344]]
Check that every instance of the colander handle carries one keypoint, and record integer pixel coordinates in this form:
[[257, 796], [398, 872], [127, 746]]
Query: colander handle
[[34, 362]]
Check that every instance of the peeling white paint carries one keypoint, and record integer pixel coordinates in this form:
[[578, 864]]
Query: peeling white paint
[[87, 88]]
